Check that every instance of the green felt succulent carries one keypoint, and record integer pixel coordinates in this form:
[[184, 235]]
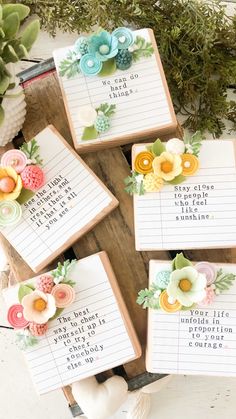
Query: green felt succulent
[[15, 43]]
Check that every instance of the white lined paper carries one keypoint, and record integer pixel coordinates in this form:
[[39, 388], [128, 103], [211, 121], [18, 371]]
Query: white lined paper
[[164, 221], [141, 102], [173, 348], [48, 361], [57, 211]]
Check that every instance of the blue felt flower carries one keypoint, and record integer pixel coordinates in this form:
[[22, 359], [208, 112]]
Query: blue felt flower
[[124, 36], [163, 279], [103, 46], [81, 45], [90, 65]]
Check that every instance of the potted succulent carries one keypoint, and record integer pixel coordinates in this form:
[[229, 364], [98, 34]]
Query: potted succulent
[[14, 45]]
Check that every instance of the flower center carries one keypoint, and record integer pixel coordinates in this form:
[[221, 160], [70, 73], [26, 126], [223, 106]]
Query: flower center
[[14, 162], [145, 162], [61, 294], [7, 184], [166, 166], [104, 49], [185, 285], [187, 164], [122, 39], [90, 63], [6, 211], [40, 304]]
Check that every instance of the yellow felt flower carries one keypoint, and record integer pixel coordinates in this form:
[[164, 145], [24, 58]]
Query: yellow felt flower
[[167, 166], [152, 182], [8, 176], [143, 162], [167, 305], [190, 164]]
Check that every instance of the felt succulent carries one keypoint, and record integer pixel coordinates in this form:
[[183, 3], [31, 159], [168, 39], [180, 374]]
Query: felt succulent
[[14, 43]]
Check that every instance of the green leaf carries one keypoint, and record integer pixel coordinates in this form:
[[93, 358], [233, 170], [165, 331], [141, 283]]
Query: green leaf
[[25, 340], [158, 147], [180, 262], [107, 109], [22, 10], [68, 282], [11, 25], [23, 290], [144, 49], [89, 133], [4, 84], [2, 115], [31, 149], [57, 314], [146, 297], [31, 286], [223, 281], [60, 274], [30, 33], [69, 66], [177, 180], [9, 55], [108, 68], [25, 196], [193, 143], [132, 186]]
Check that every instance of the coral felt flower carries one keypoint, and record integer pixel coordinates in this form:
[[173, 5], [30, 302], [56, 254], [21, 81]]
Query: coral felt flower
[[38, 307], [87, 115], [167, 304], [190, 164], [152, 182], [143, 162], [167, 166], [187, 286], [103, 46], [33, 177], [64, 295], [10, 184], [16, 318]]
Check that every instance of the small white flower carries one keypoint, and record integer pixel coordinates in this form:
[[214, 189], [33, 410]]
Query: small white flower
[[87, 115], [38, 307], [139, 178], [157, 294], [189, 148], [132, 48], [175, 146]]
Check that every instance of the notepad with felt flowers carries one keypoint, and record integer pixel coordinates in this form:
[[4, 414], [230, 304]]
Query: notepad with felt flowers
[[184, 193], [191, 317], [71, 322]]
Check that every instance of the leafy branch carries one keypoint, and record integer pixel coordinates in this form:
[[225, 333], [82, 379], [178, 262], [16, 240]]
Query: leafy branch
[[106, 109], [60, 274], [147, 299], [132, 184], [142, 49], [25, 340], [193, 142], [223, 281], [31, 150], [69, 66]]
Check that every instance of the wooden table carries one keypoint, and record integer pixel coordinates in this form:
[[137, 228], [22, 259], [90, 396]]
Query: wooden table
[[115, 234]]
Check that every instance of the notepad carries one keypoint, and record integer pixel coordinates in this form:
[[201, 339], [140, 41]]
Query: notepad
[[92, 335], [198, 213], [140, 94], [201, 341], [71, 202]]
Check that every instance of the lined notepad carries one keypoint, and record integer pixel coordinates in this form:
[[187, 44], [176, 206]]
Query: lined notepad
[[200, 341], [200, 212], [94, 334], [68, 205], [140, 94]]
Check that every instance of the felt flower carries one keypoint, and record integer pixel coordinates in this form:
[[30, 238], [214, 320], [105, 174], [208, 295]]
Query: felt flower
[[208, 269], [175, 146], [167, 166], [187, 286], [10, 213], [103, 46], [87, 115], [168, 304], [38, 307], [143, 162], [124, 36], [209, 298], [190, 164], [16, 318], [10, 184], [45, 283], [152, 182], [162, 279], [64, 295], [90, 65], [32, 177], [38, 329], [14, 158]]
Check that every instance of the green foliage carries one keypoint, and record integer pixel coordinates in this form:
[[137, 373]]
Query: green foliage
[[60, 274], [89, 133], [23, 290], [180, 262], [147, 299], [57, 314], [144, 49], [107, 109], [223, 281], [108, 68], [177, 180], [25, 340], [31, 149], [196, 41], [133, 186], [193, 142], [157, 147], [69, 66]]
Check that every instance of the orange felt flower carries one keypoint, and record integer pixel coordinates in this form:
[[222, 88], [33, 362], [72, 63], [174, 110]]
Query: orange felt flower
[[143, 162], [190, 164], [166, 305]]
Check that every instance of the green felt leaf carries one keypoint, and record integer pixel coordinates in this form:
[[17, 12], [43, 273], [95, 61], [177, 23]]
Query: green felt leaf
[[193, 142], [177, 180], [108, 68], [31, 286], [69, 66], [31, 149], [188, 308], [23, 290], [57, 314], [223, 281], [90, 133], [132, 186], [158, 147], [144, 49], [20, 9], [25, 196], [180, 262], [107, 109], [25, 340], [146, 297], [4, 84], [2, 114]]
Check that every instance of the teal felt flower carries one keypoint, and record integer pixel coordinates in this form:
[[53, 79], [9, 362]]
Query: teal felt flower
[[124, 36], [81, 45], [103, 46], [90, 65]]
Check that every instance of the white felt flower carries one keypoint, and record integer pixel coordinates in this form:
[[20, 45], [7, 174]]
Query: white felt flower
[[175, 146], [87, 115], [38, 307], [187, 286]]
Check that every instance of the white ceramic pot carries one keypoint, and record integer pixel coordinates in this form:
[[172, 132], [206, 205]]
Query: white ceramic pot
[[15, 110]]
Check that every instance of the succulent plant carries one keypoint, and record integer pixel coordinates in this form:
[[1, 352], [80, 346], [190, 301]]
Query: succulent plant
[[14, 43]]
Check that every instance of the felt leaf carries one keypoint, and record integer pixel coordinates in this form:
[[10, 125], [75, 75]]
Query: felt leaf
[[108, 68], [25, 196], [180, 262], [57, 314], [31, 286], [23, 290], [107, 109], [2, 114], [193, 143], [22, 10], [90, 133], [224, 281], [144, 49], [158, 147], [25, 340], [177, 180]]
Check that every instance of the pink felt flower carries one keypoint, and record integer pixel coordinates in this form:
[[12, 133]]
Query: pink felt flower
[[210, 297], [14, 158], [32, 177], [45, 283], [38, 329], [208, 269], [16, 318], [64, 295]]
